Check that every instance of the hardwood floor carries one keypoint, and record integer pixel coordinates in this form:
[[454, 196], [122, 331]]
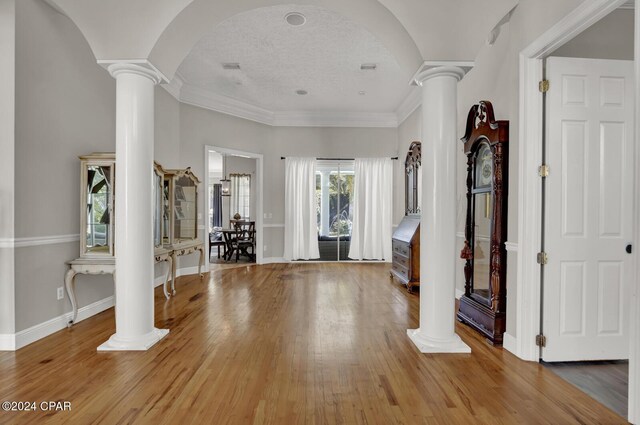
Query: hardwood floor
[[606, 381], [286, 344]]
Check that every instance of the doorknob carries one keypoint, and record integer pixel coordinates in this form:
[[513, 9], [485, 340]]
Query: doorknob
[[629, 249]]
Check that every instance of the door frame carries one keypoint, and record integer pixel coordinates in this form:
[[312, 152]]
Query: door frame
[[528, 300], [259, 185]]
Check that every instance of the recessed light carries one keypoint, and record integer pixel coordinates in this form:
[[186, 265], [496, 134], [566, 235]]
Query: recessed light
[[301, 92], [362, 92], [295, 18], [368, 66], [231, 65]]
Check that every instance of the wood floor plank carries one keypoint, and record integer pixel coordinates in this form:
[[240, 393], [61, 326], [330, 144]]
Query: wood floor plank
[[286, 344]]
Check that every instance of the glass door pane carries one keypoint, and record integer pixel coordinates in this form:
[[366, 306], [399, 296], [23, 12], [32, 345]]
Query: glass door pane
[[334, 208]]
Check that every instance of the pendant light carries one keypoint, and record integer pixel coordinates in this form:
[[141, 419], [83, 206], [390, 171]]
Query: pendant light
[[226, 183]]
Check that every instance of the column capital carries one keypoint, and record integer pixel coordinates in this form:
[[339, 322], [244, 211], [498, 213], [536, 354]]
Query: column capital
[[140, 67], [431, 69]]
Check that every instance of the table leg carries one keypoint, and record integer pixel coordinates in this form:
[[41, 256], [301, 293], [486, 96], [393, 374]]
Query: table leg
[[201, 263], [70, 284], [173, 273], [169, 260]]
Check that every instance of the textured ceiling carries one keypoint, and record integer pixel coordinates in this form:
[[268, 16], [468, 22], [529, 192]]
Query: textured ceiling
[[323, 57]]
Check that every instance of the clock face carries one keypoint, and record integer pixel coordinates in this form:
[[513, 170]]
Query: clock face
[[484, 167]]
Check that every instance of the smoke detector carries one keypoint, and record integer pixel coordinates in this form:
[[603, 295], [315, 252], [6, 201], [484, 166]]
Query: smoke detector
[[295, 19], [368, 67], [301, 92]]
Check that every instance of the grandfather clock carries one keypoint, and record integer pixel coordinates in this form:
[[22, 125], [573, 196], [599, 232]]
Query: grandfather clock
[[483, 305]]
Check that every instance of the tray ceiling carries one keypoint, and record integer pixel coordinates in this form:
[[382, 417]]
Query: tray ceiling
[[322, 57]]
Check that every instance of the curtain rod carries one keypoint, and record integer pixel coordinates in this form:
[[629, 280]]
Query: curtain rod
[[340, 159]]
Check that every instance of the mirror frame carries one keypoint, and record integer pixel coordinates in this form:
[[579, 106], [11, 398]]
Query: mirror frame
[[412, 164]]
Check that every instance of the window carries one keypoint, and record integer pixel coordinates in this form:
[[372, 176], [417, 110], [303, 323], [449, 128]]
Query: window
[[334, 190], [240, 195]]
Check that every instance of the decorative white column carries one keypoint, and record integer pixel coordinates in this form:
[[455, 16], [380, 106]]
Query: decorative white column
[[438, 254], [324, 204], [133, 209]]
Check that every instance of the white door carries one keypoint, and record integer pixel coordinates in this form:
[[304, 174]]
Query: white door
[[588, 214]]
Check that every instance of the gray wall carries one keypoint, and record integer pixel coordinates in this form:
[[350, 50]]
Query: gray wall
[[609, 38], [65, 107], [7, 146], [200, 127]]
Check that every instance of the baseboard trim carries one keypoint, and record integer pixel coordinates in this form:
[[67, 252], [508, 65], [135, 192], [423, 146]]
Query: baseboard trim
[[12, 342], [273, 260], [39, 331], [7, 342], [510, 343], [459, 293]]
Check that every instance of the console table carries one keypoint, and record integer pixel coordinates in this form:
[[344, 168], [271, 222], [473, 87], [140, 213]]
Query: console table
[[99, 266]]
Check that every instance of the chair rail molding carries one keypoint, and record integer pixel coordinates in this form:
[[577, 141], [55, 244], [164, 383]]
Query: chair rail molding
[[38, 240]]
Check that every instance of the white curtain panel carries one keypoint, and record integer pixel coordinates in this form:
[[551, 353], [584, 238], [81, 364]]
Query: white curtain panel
[[372, 200], [300, 226], [240, 194]]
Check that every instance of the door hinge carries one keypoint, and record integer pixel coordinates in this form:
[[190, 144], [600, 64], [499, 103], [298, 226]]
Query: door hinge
[[543, 86], [542, 258], [541, 340], [543, 170]]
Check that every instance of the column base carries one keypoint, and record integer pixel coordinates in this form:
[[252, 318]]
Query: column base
[[430, 345], [143, 343]]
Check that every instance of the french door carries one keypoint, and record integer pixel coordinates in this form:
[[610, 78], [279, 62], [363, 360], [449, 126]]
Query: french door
[[334, 194]]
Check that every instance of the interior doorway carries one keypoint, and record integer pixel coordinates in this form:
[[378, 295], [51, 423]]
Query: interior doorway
[[587, 270], [233, 207]]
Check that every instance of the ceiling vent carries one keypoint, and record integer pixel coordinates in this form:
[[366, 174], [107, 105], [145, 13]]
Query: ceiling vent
[[231, 65], [368, 66]]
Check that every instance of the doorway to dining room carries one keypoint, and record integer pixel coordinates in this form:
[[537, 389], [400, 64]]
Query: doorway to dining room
[[234, 206]]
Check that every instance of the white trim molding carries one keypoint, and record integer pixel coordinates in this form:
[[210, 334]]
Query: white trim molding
[[273, 225], [511, 246], [207, 99], [633, 413], [528, 300], [459, 293], [38, 240], [509, 342], [39, 331], [274, 260], [410, 103], [7, 342]]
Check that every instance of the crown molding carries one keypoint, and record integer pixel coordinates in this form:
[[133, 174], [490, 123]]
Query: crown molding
[[335, 119], [206, 99], [174, 86], [225, 104], [410, 103], [630, 4]]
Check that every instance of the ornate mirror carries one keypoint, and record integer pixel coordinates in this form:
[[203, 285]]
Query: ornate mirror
[[483, 304], [413, 176]]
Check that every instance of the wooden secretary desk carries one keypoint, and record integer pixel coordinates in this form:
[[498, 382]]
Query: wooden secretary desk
[[406, 239]]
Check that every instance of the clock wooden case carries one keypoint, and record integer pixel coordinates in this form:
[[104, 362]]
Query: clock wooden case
[[483, 305]]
